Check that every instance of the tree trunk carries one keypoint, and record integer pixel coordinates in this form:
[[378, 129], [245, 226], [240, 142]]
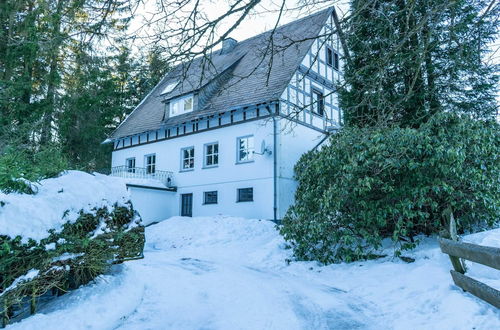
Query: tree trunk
[[56, 41]]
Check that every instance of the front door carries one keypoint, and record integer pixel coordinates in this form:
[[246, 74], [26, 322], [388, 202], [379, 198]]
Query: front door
[[187, 205]]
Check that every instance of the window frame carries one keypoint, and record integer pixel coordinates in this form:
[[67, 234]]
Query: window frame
[[130, 169], [148, 165], [329, 50], [181, 100], [213, 154], [205, 193], [335, 58], [251, 159], [238, 195], [318, 105], [182, 159]]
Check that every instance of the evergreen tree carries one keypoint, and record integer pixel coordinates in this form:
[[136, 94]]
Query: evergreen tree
[[100, 91], [42, 44], [409, 59]]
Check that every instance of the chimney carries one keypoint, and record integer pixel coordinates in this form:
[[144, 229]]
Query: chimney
[[228, 45]]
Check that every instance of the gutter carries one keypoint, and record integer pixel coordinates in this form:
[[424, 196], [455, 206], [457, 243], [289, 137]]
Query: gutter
[[172, 189]]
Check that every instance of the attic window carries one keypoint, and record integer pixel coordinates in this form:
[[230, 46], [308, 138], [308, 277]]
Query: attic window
[[332, 58], [181, 105], [170, 87]]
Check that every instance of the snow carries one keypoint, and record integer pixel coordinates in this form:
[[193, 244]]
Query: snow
[[31, 216], [67, 256], [232, 273]]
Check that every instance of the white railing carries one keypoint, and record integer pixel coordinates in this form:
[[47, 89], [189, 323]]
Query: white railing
[[143, 173]]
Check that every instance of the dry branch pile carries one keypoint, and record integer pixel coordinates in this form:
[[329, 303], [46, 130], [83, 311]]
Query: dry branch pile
[[67, 259]]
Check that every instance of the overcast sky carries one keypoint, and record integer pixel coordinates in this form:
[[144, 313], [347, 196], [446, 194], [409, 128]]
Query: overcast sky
[[263, 18]]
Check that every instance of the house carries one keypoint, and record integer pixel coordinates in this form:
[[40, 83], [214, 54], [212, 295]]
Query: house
[[223, 134]]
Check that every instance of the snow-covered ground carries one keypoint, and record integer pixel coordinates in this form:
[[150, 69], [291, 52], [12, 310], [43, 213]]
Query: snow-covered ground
[[231, 273]]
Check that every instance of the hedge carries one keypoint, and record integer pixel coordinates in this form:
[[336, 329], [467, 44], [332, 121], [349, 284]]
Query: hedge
[[368, 184]]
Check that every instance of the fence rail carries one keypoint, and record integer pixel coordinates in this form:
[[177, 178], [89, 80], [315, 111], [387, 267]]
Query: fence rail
[[485, 255], [166, 177]]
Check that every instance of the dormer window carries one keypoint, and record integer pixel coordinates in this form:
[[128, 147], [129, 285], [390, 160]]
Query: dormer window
[[181, 105]]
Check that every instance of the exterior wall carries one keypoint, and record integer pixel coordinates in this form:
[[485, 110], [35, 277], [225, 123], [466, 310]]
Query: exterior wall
[[225, 178], [294, 140], [296, 100], [301, 129], [152, 205]]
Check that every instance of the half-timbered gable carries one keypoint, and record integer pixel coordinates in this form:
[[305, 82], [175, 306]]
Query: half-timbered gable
[[310, 96]]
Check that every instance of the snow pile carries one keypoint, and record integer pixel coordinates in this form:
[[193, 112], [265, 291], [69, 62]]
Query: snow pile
[[233, 273], [58, 200]]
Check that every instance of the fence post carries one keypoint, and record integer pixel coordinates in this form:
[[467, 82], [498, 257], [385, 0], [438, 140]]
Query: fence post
[[458, 265]]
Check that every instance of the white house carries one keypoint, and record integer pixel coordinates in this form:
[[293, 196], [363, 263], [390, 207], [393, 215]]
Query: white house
[[223, 134]]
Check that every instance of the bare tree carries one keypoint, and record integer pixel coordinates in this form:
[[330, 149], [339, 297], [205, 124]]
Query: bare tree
[[186, 31]]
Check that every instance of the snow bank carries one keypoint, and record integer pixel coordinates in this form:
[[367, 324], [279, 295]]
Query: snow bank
[[232, 273], [58, 200]]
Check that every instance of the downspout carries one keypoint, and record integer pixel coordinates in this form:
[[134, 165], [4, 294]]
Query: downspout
[[275, 164]]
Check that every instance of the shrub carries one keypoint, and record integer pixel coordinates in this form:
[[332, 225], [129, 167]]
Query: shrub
[[372, 183], [74, 256]]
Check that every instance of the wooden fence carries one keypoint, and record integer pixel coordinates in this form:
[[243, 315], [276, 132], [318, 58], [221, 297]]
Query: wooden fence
[[485, 255]]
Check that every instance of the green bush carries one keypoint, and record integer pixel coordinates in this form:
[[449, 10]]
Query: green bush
[[373, 183], [20, 165], [66, 259]]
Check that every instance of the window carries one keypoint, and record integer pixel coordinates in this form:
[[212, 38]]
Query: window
[[187, 155], [245, 149], [181, 105], [150, 164], [318, 102], [130, 164], [210, 197], [332, 58], [329, 56], [170, 87], [245, 195], [211, 154]]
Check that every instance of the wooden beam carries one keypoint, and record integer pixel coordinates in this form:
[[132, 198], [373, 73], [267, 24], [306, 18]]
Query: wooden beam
[[342, 37], [486, 255], [478, 289]]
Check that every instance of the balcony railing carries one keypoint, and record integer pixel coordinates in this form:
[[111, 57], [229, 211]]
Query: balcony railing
[[164, 177]]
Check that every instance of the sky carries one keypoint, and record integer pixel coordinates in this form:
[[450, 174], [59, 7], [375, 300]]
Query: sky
[[263, 18]]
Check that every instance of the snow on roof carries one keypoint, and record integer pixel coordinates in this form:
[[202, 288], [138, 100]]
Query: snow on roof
[[170, 87]]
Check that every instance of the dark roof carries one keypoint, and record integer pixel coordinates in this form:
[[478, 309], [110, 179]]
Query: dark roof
[[250, 83]]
